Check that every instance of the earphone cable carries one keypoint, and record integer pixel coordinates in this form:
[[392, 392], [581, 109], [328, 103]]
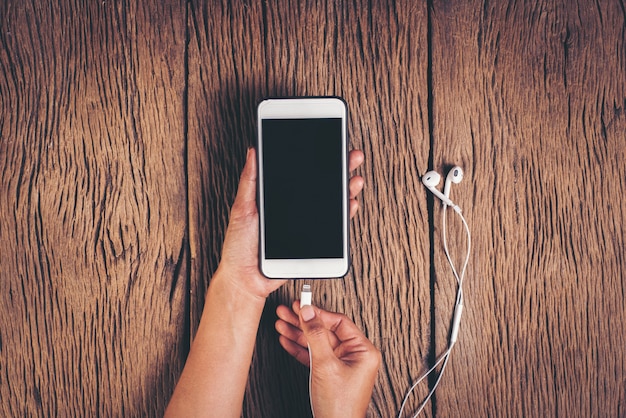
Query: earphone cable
[[459, 279], [458, 304], [441, 358], [432, 391]]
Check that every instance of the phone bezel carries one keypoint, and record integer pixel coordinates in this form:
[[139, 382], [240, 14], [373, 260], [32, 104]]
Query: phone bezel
[[304, 108]]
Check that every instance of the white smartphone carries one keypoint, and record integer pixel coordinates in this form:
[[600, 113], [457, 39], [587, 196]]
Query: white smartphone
[[303, 188]]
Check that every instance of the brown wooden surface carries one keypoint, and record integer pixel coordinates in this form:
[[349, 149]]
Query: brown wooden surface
[[93, 214], [123, 129]]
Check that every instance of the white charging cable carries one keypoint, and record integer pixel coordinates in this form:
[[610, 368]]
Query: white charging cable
[[456, 321], [306, 296]]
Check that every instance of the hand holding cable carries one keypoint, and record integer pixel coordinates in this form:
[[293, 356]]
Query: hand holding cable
[[343, 362]]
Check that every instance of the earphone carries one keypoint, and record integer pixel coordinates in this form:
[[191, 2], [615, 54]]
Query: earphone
[[454, 176], [431, 180]]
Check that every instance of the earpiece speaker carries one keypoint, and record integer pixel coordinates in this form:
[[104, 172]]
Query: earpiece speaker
[[454, 176]]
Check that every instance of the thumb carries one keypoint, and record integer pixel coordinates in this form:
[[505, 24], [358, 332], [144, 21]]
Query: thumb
[[245, 201], [316, 334]]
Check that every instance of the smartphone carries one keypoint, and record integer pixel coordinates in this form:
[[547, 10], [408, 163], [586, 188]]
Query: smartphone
[[303, 188]]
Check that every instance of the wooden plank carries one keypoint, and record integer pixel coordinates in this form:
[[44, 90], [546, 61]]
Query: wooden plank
[[530, 99], [93, 207], [375, 56]]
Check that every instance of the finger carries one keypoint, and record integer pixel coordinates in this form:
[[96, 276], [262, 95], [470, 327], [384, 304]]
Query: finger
[[355, 159], [288, 315], [360, 352], [245, 201], [296, 351], [341, 326], [296, 309], [290, 332], [356, 186], [354, 207], [328, 318], [317, 335]]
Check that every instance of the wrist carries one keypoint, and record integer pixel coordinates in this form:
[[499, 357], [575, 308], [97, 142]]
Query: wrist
[[236, 308], [234, 286], [337, 406], [246, 280]]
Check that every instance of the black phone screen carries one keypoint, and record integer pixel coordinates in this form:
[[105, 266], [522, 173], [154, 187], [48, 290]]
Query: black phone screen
[[302, 182]]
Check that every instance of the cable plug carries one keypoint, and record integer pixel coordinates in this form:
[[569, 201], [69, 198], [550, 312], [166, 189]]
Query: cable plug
[[305, 295]]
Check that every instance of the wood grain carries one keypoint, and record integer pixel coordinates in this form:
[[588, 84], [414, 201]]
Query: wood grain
[[376, 58], [123, 129], [530, 99], [93, 212]]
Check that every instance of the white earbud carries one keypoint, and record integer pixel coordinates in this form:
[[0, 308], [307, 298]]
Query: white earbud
[[454, 176], [431, 180]]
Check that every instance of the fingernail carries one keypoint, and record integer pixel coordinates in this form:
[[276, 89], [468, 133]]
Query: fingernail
[[307, 313]]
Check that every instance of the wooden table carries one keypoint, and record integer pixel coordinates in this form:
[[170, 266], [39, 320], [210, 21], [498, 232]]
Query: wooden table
[[123, 128]]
